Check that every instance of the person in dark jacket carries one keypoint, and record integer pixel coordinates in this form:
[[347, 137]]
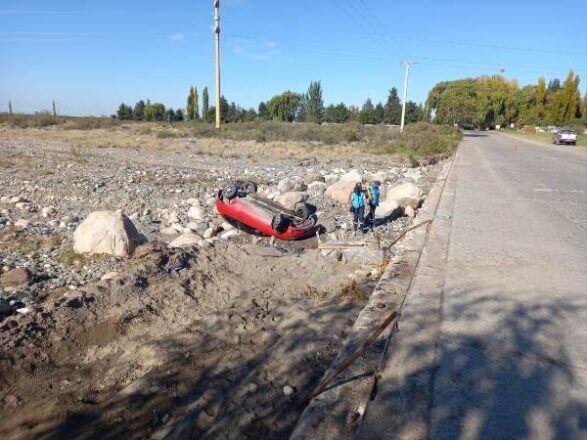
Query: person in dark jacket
[[357, 203]]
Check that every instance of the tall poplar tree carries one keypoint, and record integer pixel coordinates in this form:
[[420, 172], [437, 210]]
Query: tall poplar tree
[[205, 105]]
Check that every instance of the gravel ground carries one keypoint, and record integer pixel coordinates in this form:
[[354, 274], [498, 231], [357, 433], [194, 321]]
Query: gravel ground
[[219, 341]]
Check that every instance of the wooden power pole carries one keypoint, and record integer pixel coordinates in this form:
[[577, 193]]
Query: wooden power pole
[[217, 43], [10, 107]]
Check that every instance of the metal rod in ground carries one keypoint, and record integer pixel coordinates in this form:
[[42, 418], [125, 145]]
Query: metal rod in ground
[[348, 361]]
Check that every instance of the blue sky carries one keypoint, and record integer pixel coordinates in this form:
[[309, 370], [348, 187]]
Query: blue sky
[[90, 56]]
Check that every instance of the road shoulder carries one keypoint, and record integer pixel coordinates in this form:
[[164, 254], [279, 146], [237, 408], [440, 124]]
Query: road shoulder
[[401, 404]]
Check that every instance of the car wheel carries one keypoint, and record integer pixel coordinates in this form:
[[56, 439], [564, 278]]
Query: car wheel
[[280, 223], [230, 191], [302, 210], [250, 187]]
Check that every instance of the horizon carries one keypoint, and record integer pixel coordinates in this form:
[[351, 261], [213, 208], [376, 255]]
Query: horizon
[[91, 60]]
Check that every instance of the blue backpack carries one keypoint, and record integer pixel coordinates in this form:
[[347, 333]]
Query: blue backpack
[[358, 200], [374, 195]]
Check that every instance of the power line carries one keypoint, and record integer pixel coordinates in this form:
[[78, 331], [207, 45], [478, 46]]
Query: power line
[[360, 24], [379, 23]]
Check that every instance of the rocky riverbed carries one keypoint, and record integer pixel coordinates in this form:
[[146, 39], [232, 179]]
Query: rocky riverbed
[[216, 336]]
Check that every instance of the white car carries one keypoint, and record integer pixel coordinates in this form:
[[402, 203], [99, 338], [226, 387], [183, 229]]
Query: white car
[[568, 137]]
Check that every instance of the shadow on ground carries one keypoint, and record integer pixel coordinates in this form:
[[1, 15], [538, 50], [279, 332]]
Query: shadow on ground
[[501, 371]]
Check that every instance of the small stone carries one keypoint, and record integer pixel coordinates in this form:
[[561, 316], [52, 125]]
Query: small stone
[[16, 277], [409, 211], [186, 240], [196, 213], [229, 234], [109, 276], [47, 211], [288, 391], [21, 224]]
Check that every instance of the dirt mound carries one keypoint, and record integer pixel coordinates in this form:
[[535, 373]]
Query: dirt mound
[[183, 344]]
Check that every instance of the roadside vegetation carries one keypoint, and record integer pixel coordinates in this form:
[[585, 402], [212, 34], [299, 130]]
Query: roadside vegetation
[[490, 101], [548, 137], [419, 142]]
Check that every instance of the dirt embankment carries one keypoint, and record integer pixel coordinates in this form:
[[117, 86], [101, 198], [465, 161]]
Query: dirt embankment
[[207, 352]]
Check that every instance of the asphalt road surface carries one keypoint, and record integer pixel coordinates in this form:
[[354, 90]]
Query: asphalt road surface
[[507, 356]]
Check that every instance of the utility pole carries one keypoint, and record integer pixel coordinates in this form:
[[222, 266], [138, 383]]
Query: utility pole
[[217, 43], [10, 107], [408, 64], [54, 109]]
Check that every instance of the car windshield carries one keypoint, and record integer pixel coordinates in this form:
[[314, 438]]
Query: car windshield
[[567, 132]]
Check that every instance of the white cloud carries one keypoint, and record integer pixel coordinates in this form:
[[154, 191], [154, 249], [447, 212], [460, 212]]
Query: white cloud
[[176, 37]]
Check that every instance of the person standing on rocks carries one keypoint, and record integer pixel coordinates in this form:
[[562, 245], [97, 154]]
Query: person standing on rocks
[[357, 207], [373, 200]]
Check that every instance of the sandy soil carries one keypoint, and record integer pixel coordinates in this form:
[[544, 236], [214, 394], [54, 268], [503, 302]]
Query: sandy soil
[[206, 353]]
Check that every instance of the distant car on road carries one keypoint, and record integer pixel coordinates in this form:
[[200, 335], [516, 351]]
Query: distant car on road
[[565, 136]]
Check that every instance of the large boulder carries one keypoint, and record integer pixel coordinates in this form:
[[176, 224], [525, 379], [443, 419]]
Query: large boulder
[[317, 188], [406, 194], [341, 190], [106, 232], [387, 208], [285, 185], [290, 199]]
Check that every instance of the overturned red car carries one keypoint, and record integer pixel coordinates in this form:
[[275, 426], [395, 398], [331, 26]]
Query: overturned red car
[[239, 203]]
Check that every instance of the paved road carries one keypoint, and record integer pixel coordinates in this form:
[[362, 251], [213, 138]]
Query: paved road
[[498, 348]]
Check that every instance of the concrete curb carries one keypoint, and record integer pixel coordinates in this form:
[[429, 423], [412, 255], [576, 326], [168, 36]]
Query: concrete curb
[[338, 411]]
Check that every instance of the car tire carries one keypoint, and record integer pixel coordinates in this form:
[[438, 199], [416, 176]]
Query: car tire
[[250, 187], [280, 223], [302, 210], [230, 191]]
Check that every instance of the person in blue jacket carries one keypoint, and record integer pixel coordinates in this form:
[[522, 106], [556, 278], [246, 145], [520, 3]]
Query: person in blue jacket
[[373, 196], [357, 203]]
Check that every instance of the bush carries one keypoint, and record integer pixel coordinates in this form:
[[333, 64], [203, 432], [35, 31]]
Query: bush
[[164, 134], [37, 120]]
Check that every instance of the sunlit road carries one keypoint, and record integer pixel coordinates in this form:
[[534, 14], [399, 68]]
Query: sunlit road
[[507, 356]]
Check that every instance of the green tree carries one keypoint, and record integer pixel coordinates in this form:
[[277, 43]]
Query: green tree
[[263, 111], [138, 113], [154, 112], [283, 107], [414, 113], [584, 107], [249, 115], [393, 108], [179, 116], [196, 113], [337, 114], [169, 115], [124, 112], [540, 98], [314, 104], [190, 104], [367, 116], [378, 114], [206, 106], [565, 101]]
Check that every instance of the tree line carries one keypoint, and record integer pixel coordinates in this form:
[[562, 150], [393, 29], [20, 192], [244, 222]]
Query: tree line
[[287, 107], [147, 111], [488, 101]]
